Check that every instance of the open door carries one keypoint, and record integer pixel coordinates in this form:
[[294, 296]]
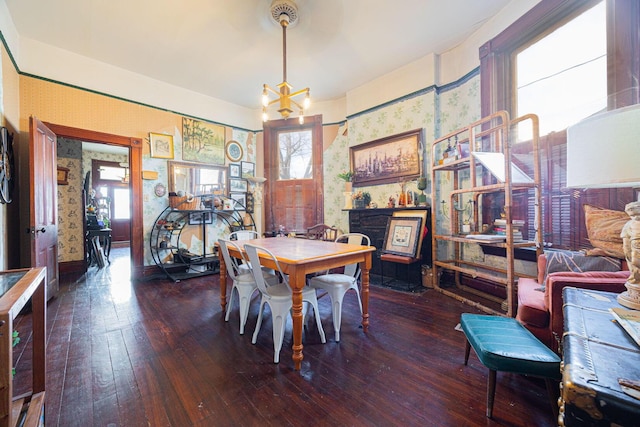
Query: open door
[[43, 199]]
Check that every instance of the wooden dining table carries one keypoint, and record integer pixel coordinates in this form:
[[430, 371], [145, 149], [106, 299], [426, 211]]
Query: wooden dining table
[[299, 257]]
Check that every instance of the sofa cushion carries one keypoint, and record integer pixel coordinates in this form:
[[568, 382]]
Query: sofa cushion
[[603, 228], [532, 308]]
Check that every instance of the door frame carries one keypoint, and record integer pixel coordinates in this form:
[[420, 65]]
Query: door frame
[[135, 182]]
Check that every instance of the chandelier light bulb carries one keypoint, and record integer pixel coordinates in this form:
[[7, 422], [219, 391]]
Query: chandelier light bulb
[[265, 116], [265, 97], [307, 101], [301, 117]]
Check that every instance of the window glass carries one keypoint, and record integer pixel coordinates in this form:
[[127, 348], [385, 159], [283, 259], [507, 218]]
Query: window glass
[[110, 173], [295, 150], [563, 77], [121, 207]]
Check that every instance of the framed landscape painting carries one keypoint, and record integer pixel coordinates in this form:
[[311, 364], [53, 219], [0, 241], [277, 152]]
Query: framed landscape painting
[[203, 142], [391, 159]]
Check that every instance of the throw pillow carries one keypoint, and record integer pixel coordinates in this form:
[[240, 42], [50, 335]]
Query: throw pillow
[[578, 262], [603, 228]]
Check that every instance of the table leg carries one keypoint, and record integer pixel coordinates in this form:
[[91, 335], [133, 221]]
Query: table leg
[[108, 247], [223, 283], [297, 281], [364, 294]]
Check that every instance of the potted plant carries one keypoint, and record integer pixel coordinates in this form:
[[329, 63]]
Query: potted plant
[[346, 176], [361, 199]]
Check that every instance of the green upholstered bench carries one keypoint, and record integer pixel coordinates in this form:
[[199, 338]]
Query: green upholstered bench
[[503, 344]]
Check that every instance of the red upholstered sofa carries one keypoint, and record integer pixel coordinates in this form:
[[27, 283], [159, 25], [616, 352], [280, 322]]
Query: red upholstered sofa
[[540, 311]]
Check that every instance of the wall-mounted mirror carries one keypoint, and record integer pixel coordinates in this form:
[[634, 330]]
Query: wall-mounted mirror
[[197, 179]]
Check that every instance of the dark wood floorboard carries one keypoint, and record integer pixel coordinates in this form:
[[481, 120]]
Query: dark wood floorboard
[[158, 353]]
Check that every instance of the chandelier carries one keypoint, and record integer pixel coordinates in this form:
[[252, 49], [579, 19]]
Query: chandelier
[[285, 13]]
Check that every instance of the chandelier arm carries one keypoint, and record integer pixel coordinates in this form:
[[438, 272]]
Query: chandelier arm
[[275, 92], [299, 92], [300, 107]]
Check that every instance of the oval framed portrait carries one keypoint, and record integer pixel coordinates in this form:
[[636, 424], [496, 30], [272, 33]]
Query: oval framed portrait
[[234, 151]]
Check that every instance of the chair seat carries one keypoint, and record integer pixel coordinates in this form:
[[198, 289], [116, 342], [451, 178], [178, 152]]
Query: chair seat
[[333, 279]]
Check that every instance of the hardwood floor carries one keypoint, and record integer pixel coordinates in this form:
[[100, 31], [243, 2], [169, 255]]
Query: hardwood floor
[[159, 353]]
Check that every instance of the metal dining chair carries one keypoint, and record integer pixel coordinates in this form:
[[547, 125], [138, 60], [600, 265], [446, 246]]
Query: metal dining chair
[[338, 284], [243, 282], [279, 299]]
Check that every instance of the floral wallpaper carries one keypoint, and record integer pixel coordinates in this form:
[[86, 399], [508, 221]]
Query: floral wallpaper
[[70, 205], [404, 115]]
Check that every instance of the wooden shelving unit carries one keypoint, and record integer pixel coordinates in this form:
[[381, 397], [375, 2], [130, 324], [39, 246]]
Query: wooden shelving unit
[[480, 165]]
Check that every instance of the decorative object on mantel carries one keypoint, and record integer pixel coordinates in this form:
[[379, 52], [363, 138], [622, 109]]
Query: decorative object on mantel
[[346, 176], [284, 13], [361, 199], [421, 200], [617, 166]]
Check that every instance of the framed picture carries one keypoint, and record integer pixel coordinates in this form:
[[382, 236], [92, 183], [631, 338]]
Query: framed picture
[[234, 151], [387, 160], [161, 145], [240, 200], [205, 217], [238, 185], [203, 142], [402, 236], [248, 169], [234, 170]]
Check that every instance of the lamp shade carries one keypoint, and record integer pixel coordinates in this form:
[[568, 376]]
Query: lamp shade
[[603, 151]]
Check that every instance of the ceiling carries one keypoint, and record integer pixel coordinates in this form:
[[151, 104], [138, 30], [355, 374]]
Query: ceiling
[[228, 49]]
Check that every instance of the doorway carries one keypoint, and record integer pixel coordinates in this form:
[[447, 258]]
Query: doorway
[[134, 147]]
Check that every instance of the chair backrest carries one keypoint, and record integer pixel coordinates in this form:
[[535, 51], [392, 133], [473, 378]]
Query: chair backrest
[[243, 235], [353, 239], [322, 232], [256, 270], [233, 267]]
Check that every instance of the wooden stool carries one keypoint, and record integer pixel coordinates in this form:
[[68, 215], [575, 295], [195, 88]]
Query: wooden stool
[[503, 344]]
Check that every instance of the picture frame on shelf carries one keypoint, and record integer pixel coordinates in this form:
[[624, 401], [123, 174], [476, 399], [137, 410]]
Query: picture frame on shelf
[[248, 169], [402, 236], [238, 185], [234, 170], [391, 159], [197, 218], [161, 145], [240, 201]]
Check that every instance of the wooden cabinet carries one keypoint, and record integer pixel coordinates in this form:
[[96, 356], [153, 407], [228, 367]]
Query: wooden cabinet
[[17, 287], [475, 181], [373, 223]]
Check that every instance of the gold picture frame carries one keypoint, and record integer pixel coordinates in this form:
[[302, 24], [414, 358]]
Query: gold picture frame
[[161, 145], [386, 160]]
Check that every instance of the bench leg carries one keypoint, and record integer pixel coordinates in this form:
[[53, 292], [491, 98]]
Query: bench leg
[[491, 392], [467, 350]]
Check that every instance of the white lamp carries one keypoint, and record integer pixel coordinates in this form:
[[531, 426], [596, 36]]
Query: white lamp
[[603, 151]]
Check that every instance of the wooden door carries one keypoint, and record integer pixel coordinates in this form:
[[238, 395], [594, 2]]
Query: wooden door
[[296, 204], [43, 195]]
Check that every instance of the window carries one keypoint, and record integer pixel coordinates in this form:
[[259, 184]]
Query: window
[[564, 61], [569, 68], [295, 148]]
